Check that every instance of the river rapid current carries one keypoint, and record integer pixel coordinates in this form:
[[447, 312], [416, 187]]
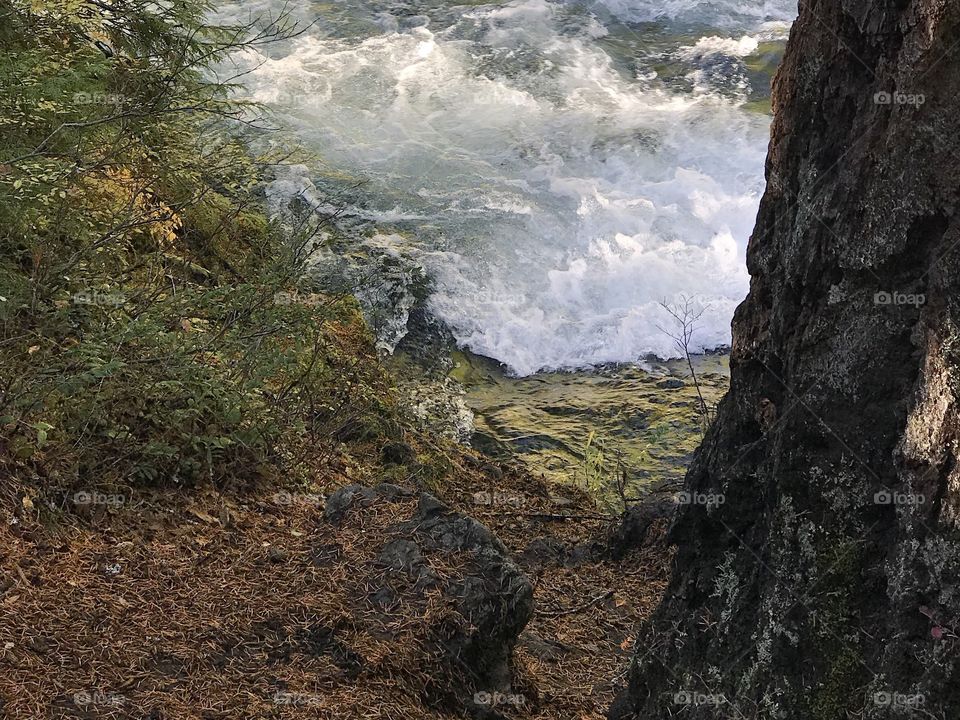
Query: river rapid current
[[551, 171]]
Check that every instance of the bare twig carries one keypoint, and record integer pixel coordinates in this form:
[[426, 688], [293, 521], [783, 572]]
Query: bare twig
[[687, 315]]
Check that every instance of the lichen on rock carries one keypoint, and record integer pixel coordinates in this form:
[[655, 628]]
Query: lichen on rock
[[833, 557]]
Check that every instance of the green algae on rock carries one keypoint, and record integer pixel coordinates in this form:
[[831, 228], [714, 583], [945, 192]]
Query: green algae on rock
[[591, 428]]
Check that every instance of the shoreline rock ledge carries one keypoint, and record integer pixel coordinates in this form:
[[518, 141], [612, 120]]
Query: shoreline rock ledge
[[453, 576]]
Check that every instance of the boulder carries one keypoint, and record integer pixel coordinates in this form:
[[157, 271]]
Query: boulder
[[491, 596]]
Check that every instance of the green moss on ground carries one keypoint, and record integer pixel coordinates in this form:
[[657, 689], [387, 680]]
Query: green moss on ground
[[588, 428]]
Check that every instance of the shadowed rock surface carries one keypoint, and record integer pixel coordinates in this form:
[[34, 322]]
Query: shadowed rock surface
[[440, 550], [825, 585]]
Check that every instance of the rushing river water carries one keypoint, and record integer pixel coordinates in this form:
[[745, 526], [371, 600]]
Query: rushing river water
[[555, 168]]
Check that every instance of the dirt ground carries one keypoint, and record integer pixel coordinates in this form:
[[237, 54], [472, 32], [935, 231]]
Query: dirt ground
[[247, 604]]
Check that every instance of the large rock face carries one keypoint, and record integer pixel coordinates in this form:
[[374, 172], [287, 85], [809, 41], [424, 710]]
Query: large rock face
[[825, 585]]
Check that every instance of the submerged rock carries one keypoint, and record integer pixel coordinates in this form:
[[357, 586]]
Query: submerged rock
[[670, 383]]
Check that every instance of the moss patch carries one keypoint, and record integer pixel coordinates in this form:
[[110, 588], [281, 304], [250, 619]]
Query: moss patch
[[588, 428]]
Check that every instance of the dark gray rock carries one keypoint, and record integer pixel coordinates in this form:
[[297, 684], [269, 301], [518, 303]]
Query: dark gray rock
[[544, 552], [398, 453], [549, 551], [632, 530], [583, 554], [670, 384], [494, 596], [358, 495], [489, 591], [492, 471], [384, 598], [277, 555], [401, 555], [338, 503], [429, 505]]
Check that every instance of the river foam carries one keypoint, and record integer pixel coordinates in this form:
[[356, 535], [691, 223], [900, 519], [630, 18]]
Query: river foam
[[533, 159], [712, 13]]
